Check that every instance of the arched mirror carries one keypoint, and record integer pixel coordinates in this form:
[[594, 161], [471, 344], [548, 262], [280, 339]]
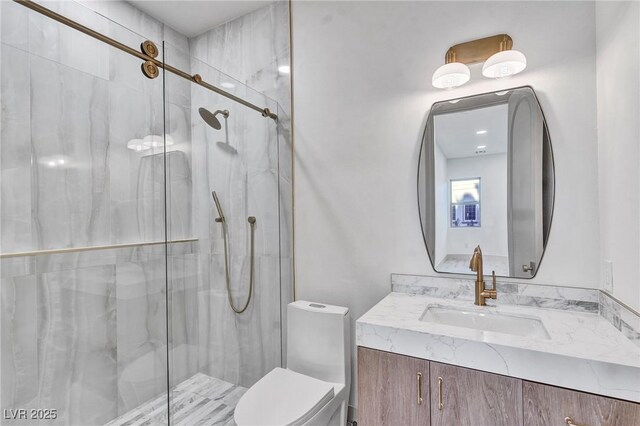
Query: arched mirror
[[486, 177]]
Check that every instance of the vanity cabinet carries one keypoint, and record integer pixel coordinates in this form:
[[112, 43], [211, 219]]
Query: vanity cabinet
[[400, 390], [549, 405], [461, 396], [392, 389]]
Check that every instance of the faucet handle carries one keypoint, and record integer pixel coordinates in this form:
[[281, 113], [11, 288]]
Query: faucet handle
[[493, 293]]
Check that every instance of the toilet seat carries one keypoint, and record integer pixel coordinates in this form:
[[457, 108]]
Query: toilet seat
[[283, 397]]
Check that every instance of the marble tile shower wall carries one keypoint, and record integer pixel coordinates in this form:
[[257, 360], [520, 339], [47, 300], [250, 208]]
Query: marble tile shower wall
[[250, 168], [251, 49], [237, 348], [71, 104], [85, 332]]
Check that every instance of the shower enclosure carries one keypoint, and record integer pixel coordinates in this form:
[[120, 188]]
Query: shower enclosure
[[113, 291]]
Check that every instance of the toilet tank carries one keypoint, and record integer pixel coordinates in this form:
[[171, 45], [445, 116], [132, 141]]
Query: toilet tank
[[318, 341]]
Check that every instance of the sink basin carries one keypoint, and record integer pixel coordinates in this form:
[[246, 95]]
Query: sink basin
[[527, 326]]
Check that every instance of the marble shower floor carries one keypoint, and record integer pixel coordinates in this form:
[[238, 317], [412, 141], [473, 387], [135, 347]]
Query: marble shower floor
[[200, 400]]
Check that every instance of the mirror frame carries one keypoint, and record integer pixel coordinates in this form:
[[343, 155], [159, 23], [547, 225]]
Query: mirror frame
[[421, 173]]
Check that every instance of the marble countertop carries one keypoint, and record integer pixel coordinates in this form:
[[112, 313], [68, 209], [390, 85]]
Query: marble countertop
[[584, 352]]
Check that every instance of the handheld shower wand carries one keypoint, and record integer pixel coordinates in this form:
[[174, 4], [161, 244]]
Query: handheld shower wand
[[220, 218], [222, 221]]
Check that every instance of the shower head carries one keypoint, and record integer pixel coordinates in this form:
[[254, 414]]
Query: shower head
[[210, 118], [224, 146]]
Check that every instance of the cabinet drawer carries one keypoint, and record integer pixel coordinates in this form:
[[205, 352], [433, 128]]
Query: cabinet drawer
[[547, 405]]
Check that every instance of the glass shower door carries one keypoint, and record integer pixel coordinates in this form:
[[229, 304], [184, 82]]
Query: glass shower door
[[82, 224], [116, 280], [216, 353]]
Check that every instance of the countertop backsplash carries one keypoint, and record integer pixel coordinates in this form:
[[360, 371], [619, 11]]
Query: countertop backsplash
[[576, 299]]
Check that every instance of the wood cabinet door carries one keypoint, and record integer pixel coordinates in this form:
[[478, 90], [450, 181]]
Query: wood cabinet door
[[548, 405], [389, 388], [460, 396]]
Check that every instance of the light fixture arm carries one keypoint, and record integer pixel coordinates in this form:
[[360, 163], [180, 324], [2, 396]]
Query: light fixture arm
[[506, 43], [450, 57]]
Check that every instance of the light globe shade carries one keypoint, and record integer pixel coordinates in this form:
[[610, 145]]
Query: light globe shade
[[504, 64], [451, 75], [137, 145]]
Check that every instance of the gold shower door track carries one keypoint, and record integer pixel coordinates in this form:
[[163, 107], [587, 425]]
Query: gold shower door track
[[92, 248], [143, 56]]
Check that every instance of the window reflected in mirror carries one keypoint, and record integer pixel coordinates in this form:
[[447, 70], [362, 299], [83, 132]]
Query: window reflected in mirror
[[465, 202]]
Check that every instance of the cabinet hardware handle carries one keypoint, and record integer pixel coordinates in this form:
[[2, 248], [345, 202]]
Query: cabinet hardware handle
[[420, 400], [569, 421], [440, 404]]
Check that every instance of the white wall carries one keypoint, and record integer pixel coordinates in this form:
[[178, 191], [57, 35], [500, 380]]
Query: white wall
[[137, 21], [618, 68], [362, 89], [492, 233]]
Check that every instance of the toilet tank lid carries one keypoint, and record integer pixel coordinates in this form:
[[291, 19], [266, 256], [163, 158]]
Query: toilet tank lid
[[319, 307]]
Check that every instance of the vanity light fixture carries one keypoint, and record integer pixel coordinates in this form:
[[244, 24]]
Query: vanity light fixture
[[481, 132], [496, 52], [148, 142], [481, 146], [137, 145], [451, 74], [157, 141], [153, 141], [504, 64]]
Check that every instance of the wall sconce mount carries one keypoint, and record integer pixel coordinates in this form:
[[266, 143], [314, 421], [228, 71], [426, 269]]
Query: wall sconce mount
[[496, 51]]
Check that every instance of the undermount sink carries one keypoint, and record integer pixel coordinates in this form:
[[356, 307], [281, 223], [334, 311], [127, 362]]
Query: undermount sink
[[527, 326]]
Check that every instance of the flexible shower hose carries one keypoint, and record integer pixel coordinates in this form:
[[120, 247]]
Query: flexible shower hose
[[252, 222]]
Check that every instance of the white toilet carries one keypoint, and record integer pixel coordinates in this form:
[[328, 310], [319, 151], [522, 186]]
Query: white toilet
[[314, 388]]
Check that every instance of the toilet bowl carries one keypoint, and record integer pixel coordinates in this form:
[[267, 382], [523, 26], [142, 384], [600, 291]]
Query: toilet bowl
[[314, 387]]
